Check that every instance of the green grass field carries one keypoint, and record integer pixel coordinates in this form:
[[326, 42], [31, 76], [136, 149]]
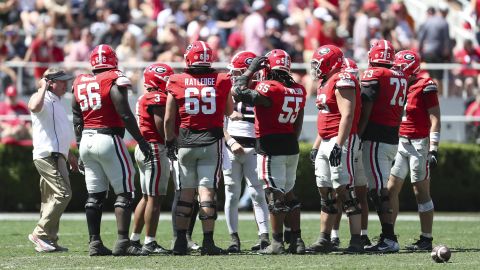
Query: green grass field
[[16, 252]]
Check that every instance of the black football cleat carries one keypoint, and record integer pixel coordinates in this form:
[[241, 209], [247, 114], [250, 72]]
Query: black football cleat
[[422, 244], [321, 246], [96, 248]]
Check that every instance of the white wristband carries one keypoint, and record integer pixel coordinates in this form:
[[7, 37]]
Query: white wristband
[[435, 137], [433, 147], [230, 142]]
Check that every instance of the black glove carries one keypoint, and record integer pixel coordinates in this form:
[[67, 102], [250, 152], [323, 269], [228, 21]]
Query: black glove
[[172, 150], [81, 166], [146, 150], [335, 156], [432, 159], [258, 63], [313, 155]]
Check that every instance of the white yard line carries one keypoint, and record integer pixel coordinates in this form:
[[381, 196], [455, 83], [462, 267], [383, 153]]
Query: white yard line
[[243, 216]]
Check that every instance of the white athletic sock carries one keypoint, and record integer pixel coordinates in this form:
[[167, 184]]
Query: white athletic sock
[[260, 208], [135, 237], [232, 194], [364, 232], [149, 239], [334, 234], [428, 235]]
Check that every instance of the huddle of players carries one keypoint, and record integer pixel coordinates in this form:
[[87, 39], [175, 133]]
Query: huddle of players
[[190, 117]]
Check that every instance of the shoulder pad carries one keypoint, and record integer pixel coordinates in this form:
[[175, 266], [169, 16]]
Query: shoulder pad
[[123, 81], [430, 86], [344, 80]]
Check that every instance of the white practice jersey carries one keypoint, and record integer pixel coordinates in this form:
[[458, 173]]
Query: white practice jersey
[[244, 127]]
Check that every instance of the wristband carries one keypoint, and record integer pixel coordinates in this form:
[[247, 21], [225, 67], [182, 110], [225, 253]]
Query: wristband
[[435, 137], [433, 147], [230, 142]]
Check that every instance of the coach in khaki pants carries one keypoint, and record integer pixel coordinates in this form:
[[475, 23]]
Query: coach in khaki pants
[[52, 133]]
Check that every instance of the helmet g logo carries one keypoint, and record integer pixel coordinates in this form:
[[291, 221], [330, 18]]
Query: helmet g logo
[[409, 57], [248, 61], [159, 69], [323, 51]]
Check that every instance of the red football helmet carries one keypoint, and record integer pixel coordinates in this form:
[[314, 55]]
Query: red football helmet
[[241, 61], [198, 54], [324, 60], [279, 59], [381, 52], [156, 76], [408, 61], [103, 56], [350, 66]]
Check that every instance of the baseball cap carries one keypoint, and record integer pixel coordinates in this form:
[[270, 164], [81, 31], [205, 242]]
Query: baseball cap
[[11, 91], [371, 6], [56, 75]]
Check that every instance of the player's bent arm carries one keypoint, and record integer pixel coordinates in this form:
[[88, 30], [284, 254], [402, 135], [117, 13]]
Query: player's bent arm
[[346, 106], [77, 121], [119, 95], [298, 125], [158, 115], [434, 114], [35, 104], [170, 117]]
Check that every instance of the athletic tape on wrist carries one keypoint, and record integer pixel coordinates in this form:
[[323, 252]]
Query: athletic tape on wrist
[[434, 137], [230, 142]]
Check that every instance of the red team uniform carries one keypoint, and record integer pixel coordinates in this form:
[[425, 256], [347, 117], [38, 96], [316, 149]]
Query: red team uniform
[[274, 129], [422, 95], [104, 129], [146, 121]]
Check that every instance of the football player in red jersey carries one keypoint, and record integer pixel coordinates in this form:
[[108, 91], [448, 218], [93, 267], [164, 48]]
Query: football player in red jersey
[[201, 96], [384, 92], [150, 110], [338, 101], [279, 103], [360, 181], [241, 156], [100, 115], [418, 146]]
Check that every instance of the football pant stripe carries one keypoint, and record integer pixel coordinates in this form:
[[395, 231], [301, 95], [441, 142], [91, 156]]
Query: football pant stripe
[[125, 161], [349, 161], [269, 171], [264, 169], [217, 175], [380, 178], [119, 156], [159, 169], [372, 166]]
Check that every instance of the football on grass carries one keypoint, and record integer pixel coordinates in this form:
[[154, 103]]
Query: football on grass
[[441, 254]]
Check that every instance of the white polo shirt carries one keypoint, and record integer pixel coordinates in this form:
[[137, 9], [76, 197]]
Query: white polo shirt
[[51, 129]]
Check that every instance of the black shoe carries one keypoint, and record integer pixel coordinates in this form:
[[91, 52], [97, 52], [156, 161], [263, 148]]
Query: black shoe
[[384, 245], [321, 246], [123, 247], [335, 243], [262, 244], [136, 243], [366, 241], [155, 248], [274, 248], [209, 248], [96, 248], [355, 246], [297, 246], [422, 244], [180, 246], [234, 244]]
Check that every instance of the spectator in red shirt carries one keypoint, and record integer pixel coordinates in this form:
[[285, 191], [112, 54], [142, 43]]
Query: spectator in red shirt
[[473, 128], [13, 129], [468, 76], [44, 50]]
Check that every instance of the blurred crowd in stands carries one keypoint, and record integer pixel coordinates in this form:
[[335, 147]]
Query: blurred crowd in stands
[[65, 31]]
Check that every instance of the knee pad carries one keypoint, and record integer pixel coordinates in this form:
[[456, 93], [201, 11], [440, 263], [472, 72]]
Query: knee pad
[[124, 200], [294, 204], [350, 205], [208, 204], [179, 203], [95, 200], [425, 207], [329, 204], [379, 202], [276, 201]]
